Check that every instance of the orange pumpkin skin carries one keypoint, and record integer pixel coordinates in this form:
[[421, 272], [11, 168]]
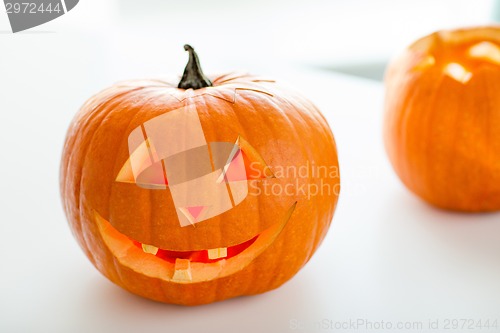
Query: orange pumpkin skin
[[283, 127], [442, 118]]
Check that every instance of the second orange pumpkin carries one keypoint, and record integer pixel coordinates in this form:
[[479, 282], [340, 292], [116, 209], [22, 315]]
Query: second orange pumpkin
[[442, 118]]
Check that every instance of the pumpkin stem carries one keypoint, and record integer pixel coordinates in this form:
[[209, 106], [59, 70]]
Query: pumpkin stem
[[193, 76]]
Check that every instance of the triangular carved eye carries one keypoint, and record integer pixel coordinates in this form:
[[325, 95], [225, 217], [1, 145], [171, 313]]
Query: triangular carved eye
[[485, 51], [144, 168], [255, 166]]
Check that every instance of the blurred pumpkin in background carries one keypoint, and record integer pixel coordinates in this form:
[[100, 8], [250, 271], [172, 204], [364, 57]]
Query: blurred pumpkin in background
[[190, 193], [442, 118]]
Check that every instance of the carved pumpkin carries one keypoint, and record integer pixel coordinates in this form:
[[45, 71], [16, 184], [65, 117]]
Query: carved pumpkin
[[201, 192], [442, 118]]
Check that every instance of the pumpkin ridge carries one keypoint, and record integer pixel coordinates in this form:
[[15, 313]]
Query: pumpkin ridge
[[433, 113], [314, 209], [78, 182], [118, 102]]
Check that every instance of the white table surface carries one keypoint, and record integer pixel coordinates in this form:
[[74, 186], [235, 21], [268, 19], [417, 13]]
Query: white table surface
[[387, 257]]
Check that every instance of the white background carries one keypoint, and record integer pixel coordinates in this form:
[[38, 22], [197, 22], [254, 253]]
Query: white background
[[388, 256]]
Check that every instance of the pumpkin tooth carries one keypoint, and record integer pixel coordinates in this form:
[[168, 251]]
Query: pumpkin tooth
[[182, 270], [217, 253], [150, 249]]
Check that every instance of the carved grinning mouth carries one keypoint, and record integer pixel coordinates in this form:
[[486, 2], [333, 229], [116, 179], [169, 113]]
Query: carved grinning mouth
[[187, 266], [206, 256]]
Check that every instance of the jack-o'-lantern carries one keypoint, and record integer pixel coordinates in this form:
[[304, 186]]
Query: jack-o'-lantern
[[201, 191], [442, 120]]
